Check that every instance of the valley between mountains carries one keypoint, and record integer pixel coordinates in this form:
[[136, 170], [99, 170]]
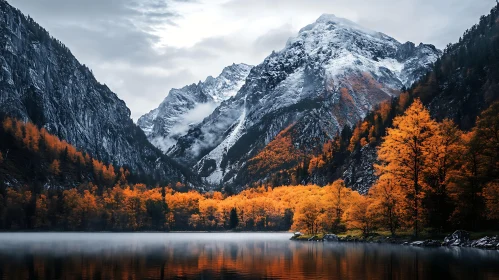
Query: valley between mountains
[[343, 129]]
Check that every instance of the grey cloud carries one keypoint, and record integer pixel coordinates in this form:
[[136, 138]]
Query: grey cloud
[[115, 38], [90, 10], [274, 39], [102, 33], [112, 42], [437, 22], [97, 29], [143, 91]]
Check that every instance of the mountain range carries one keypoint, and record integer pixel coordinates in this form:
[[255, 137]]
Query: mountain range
[[250, 123]]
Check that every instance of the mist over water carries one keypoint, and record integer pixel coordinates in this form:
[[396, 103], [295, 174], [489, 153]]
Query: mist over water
[[228, 255]]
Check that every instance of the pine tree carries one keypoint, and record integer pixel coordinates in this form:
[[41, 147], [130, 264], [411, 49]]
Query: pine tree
[[233, 219]]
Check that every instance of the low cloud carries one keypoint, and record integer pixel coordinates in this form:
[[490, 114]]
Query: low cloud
[[210, 135], [193, 117], [187, 121], [274, 39]]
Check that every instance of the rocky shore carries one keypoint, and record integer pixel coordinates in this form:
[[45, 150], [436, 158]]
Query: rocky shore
[[459, 238]]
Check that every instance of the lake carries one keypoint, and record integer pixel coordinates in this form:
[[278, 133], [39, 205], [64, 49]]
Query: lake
[[228, 256]]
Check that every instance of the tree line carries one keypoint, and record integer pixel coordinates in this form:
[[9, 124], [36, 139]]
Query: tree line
[[431, 174]]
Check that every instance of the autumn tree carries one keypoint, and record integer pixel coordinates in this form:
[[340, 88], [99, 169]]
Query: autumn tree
[[357, 138], [71, 204], [340, 198], [122, 178], [16, 215], [279, 154], [55, 167], [135, 206], [315, 163], [473, 186], [359, 214], [42, 212], [307, 216], [182, 206], [31, 136], [8, 124], [387, 203], [442, 158], [403, 154], [487, 133], [208, 214], [466, 186], [114, 200]]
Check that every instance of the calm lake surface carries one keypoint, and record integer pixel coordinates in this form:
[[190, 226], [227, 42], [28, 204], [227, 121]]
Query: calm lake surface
[[228, 256]]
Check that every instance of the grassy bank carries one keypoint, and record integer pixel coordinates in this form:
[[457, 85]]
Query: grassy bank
[[386, 236]]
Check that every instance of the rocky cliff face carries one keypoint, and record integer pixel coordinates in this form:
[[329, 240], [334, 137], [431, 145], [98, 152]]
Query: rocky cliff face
[[186, 107], [360, 173], [328, 76], [41, 81]]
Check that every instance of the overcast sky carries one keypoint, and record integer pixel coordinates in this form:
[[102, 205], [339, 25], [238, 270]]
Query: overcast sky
[[143, 48]]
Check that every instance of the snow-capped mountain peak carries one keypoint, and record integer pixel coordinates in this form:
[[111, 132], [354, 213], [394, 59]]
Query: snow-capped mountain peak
[[183, 108], [328, 76], [331, 19], [228, 83]]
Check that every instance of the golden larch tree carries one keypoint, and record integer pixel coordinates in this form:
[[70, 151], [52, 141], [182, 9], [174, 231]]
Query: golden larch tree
[[388, 203], [403, 153]]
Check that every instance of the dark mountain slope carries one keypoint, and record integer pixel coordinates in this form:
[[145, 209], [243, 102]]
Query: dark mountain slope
[[42, 82], [465, 81]]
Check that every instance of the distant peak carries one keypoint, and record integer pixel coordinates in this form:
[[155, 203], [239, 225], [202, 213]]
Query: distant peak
[[240, 65], [237, 67], [328, 17], [343, 22], [325, 18]]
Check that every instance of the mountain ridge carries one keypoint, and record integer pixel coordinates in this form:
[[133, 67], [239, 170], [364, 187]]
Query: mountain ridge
[[329, 69], [185, 107], [42, 82]]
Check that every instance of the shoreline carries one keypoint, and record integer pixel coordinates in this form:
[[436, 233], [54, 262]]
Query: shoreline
[[457, 239], [145, 231]]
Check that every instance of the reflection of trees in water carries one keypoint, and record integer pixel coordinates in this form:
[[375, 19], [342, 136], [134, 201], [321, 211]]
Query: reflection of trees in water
[[292, 260]]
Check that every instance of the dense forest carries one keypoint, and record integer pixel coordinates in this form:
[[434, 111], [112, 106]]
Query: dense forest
[[432, 176]]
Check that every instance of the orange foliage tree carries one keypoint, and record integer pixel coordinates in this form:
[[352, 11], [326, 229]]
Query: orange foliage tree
[[388, 203], [55, 167], [403, 154], [280, 152], [360, 213]]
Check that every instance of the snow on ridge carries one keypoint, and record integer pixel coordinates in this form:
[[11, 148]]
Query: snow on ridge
[[188, 106], [218, 153], [324, 55], [328, 18]]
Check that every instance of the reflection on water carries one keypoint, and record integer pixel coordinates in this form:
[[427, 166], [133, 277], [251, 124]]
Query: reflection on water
[[227, 256]]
